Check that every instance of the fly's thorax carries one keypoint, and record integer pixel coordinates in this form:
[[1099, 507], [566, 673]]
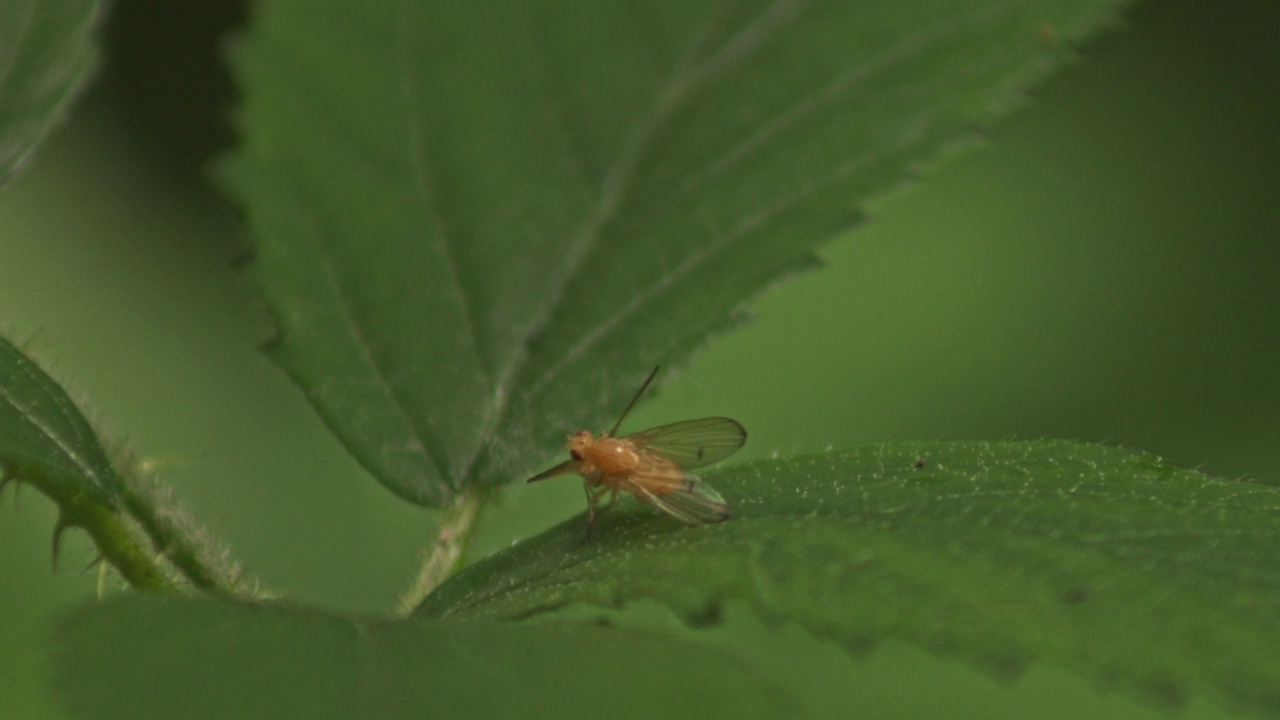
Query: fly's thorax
[[611, 456]]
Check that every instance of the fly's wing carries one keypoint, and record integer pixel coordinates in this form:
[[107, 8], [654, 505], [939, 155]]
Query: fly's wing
[[693, 443], [567, 466], [679, 494]]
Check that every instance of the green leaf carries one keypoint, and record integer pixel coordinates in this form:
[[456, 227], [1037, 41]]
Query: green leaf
[[480, 224], [1107, 562], [135, 657], [45, 440], [47, 50]]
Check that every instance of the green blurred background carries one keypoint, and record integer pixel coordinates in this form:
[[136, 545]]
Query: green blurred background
[[1104, 267]]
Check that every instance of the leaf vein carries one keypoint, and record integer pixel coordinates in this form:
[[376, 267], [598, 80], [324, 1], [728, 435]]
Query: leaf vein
[[31, 417], [378, 378], [426, 198], [23, 34], [774, 129], [707, 253], [683, 81]]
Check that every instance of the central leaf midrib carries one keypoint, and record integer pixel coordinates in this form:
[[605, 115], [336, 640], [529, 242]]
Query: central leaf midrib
[[361, 342], [685, 79]]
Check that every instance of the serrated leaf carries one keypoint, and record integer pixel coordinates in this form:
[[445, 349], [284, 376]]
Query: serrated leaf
[[480, 224], [138, 657], [47, 50], [1107, 562], [45, 440]]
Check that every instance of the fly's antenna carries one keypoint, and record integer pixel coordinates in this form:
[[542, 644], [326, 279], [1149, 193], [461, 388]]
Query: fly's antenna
[[645, 386]]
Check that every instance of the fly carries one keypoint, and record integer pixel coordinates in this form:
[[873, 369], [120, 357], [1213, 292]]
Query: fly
[[652, 465]]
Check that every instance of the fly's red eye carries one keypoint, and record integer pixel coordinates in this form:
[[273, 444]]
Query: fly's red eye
[[575, 455]]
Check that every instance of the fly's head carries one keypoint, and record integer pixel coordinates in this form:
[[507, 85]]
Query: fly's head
[[578, 444]]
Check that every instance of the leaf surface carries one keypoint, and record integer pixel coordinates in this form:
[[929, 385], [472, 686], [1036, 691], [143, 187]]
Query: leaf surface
[[480, 225], [146, 657], [1107, 562], [47, 50], [45, 440]]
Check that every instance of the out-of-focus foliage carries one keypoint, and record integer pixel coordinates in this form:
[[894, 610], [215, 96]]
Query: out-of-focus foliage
[[48, 48]]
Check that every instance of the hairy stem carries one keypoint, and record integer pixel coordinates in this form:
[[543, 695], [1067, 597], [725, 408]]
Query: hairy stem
[[176, 535], [445, 556], [115, 539], [121, 531]]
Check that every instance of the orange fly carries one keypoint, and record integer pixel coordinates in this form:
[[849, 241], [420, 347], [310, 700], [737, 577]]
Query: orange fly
[[651, 465]]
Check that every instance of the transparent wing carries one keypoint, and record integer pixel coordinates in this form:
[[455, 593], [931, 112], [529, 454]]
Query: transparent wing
[[693, 443], [680, 495]]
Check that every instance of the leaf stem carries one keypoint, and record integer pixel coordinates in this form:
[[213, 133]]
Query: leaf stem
[[144, 512], [115, 538], [446, 553]]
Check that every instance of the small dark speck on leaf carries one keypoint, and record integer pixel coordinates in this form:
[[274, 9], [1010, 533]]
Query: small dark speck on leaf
[[1006, 667], [1048, 34], [921, 463], [1076, 595], [708, 616], [1167, 693], [241, 258]]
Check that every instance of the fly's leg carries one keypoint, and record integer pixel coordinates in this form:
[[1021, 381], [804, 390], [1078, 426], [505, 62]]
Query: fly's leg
[[593, 497], [613, 495]]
